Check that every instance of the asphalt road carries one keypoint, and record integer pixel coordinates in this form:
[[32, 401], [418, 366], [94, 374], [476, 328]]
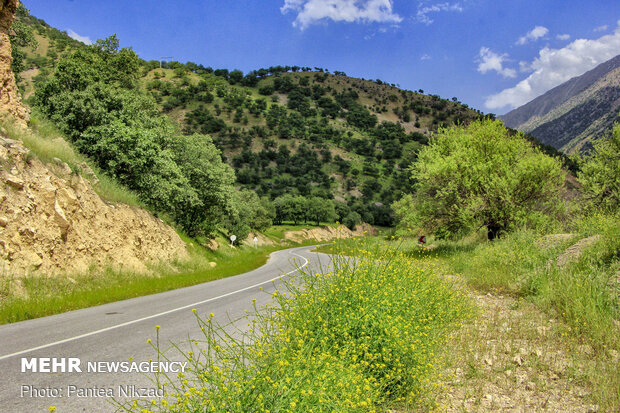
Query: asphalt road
[[117, 331]]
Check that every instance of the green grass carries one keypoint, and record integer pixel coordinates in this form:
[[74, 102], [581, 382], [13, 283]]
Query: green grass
[[584, 294], [47, 143], [363, 337]]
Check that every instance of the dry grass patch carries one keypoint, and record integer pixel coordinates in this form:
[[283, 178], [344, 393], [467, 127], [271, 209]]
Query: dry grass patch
[[513, 357]]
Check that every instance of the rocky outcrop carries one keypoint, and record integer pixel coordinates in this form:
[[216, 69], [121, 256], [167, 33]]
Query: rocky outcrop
[[10, 103], [329, 233], [260, 240], [52, 222]]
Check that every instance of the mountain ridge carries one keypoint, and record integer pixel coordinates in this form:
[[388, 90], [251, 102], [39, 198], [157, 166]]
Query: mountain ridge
[[572, 114]]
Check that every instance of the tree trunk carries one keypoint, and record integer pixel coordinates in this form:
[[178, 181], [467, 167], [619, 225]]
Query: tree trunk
[[493, 230]]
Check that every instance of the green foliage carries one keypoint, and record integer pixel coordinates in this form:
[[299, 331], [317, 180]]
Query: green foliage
[[290, 208], [320, 209], [351, 220], [360, 116], [363, 337], [481, 175], [200, 162], [101, 62], [600, 172], [131, 155], [21, 37], [250, 213], [91, 97], [42, 139]]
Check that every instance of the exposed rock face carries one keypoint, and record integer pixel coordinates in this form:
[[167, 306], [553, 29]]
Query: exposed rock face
[[329, 233], [260, 240], [10, 103], [51, 221]]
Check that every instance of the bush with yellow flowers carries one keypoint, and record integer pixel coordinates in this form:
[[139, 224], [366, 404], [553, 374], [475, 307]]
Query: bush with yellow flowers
[[361, 337]]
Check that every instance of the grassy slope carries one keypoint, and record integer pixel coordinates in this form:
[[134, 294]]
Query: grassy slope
[[47, 143], [582, 294]]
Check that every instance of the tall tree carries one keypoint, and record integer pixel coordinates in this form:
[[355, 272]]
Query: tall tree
[[600, 173], [481, 175]]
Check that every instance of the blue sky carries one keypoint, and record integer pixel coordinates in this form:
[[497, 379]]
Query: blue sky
[[491, 54]]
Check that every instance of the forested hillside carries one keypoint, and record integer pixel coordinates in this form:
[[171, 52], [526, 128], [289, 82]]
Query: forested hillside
[[304, 143]]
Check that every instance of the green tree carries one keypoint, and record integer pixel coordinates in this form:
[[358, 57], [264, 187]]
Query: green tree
[[600, 172], [20, 36], [93, 99], [131, 155], [320, 209], [481, 175], [201, 163], [256, 213], [100, 62], [352, 220], [289, 207]]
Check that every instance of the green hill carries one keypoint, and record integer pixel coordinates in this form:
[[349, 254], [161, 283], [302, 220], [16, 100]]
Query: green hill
[[307, 131], [283, 129]]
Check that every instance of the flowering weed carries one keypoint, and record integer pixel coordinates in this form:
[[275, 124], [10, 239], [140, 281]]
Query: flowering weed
[[361, 337]]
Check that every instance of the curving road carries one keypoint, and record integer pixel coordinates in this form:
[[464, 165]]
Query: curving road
[[117, 331]]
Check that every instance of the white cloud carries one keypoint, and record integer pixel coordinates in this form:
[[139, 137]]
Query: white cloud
[[489, 60], [313, 11], [600, 28], [553, 67], [563, 36], [424, 11], [524, 66], [425, 57], [83, 39], [533, 35]]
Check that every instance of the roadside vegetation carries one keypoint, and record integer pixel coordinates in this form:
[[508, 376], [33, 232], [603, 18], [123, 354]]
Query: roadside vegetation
[[362, 336], [33, 296], [565, 266], [536, 273]]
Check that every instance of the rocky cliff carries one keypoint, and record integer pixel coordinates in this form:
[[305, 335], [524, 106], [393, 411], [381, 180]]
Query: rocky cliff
[[10, 103], [52, 221]]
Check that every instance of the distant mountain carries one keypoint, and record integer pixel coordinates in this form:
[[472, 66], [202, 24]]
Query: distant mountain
[[572, 114]]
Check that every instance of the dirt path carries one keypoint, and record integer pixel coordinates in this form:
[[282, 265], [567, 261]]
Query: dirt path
[[513, 357]]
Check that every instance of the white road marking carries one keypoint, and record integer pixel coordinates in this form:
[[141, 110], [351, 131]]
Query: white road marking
[[92, 333]]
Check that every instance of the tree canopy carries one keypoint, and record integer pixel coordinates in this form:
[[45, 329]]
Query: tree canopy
[[600, 173], [93, 98], [480, 175]]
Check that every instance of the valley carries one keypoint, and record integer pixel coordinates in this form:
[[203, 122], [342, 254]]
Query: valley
[[184, 237]]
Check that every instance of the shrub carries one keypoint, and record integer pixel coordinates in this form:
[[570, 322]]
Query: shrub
[[482, 175], [360, 338], [600, 173]]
